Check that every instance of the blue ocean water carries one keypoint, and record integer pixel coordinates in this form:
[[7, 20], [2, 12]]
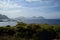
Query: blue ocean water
[[43, 21]]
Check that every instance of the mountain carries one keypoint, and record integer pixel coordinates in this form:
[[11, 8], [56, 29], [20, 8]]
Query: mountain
[[34, 18], [40, 17], [3, 16]]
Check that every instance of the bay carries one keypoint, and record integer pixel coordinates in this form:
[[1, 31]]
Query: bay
[[36, 21]]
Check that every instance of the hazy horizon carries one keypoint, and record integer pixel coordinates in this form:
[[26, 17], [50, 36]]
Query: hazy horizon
[[49, 9]]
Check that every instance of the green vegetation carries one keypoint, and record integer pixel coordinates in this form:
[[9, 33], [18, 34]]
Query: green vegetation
[[24, 31]]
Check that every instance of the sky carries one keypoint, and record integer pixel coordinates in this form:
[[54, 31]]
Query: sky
[[27, 8]]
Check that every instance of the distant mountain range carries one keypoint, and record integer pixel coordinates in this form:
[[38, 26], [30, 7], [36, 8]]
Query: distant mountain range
[[4, 18], [37, 20], [34, 17], [29, 18]]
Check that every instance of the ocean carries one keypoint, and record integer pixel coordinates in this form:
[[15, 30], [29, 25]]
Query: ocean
[[36, 21], [42, 21]]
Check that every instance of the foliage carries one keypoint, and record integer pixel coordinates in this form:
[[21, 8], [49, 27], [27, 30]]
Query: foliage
[[24, 31]]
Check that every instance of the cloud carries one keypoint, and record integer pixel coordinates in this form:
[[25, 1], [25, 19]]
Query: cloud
[[32, 0], [42, 3], [16, 8], [8, 5]]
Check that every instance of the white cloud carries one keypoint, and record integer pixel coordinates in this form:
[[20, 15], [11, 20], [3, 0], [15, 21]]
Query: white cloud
[[7, 5], [32, 0], [38, 0]]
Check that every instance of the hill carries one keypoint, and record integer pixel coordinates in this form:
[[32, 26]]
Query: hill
[[3, 18]]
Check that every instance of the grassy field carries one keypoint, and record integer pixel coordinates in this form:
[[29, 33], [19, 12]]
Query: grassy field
[[24, 31]]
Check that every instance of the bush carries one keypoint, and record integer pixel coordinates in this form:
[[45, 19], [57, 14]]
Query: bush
[[33, 31]]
